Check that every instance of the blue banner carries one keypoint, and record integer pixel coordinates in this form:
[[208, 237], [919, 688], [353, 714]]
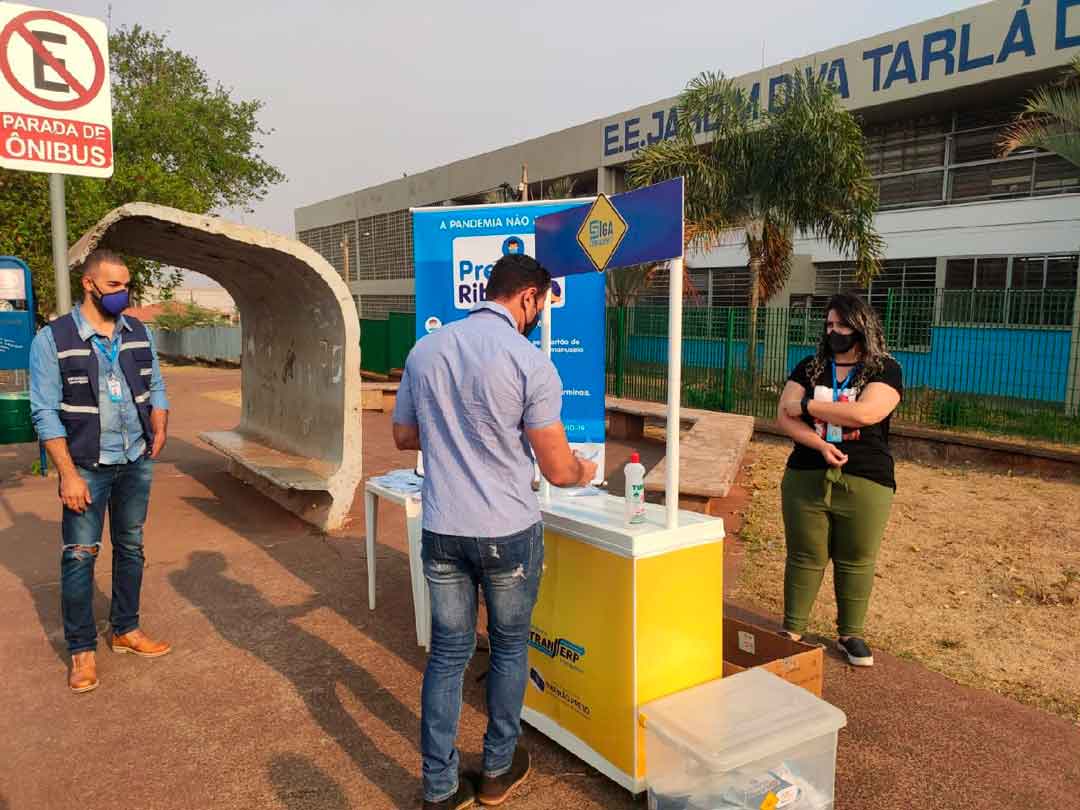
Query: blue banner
[[454, 250], [645, 226], [16, 314]]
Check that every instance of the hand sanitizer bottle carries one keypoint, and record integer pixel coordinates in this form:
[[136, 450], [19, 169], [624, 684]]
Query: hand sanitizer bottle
[[635, 490]]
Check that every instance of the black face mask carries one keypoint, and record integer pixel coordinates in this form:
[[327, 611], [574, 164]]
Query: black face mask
[[842, 343], [530, 325]]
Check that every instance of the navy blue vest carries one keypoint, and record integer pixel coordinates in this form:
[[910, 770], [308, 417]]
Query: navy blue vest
[[79, 377]]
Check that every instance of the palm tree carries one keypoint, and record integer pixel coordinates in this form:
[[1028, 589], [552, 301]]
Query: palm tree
[[766, 176], [1050, 119], [627, 283], [562, 188]]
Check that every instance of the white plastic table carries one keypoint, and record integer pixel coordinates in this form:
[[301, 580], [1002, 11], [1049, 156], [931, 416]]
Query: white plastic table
[[413, 511]]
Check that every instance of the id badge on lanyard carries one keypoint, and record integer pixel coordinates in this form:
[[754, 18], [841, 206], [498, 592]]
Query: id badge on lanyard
[[112, 377], [112, 382], [834, 434]]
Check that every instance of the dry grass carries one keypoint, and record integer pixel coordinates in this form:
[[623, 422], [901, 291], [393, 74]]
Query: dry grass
[[978, 578]]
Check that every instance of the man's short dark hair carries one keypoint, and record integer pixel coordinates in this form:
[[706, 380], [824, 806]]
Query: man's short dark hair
[[99, 257], [515, 272]]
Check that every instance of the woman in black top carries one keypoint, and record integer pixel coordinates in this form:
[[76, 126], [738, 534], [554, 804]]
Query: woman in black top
[[839, 483]]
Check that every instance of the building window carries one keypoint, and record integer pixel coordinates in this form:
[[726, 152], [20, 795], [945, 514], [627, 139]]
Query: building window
[[379, 307], [385, 248], [337, 244], [954, 157], [901, 275], [902, 294], [730, 287], [711, 287], [1017, 291]]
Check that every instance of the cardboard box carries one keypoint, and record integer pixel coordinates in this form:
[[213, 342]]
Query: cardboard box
[[747, 646]]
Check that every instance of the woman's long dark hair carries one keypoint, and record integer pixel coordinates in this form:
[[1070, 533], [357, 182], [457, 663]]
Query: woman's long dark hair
[[861, 317]]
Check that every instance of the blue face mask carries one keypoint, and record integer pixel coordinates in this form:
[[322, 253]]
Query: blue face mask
[[111, 303]]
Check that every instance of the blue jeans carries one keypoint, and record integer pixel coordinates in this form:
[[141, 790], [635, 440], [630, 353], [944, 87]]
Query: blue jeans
[[508, 569], [123, 490]]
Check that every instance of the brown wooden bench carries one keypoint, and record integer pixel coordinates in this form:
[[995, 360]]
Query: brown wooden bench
[[711, 449], [378, 396]]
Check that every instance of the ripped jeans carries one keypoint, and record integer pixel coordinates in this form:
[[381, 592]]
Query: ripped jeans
[[508, 569], [124, 491]]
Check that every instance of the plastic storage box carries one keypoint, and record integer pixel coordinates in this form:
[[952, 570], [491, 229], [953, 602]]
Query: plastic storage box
[[751, 741]]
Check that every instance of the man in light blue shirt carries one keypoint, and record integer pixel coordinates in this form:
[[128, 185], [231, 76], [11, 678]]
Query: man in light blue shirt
[[98, 403], [122, 437], [481, 401]]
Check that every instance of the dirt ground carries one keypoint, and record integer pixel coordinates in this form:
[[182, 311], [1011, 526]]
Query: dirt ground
[[978, 578], [284, 691]]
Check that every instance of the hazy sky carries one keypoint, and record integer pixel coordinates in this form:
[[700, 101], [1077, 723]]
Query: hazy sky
[[358, 92]]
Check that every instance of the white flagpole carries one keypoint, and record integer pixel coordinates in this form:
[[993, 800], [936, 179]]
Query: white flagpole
[[674, 387], [545, 347]]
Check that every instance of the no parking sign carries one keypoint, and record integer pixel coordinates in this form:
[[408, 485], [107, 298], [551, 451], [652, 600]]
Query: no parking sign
[[55, 104]]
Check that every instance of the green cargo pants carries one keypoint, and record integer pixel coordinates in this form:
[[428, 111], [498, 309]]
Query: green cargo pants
[[829, 515]]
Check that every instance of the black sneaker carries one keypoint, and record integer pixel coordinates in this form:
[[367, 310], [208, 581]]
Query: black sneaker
[[857, 652], [465, 796], [495, 791]]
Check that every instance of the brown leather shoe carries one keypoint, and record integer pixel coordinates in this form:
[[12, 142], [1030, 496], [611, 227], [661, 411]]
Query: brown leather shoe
[[141, 644], [83, 677], [464, 798], [495, 791]]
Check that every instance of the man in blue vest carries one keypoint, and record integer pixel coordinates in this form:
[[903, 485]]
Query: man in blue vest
[[98, 403]]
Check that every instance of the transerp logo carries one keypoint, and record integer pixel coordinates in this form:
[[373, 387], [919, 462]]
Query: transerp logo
[[474, 258], [561, 648]]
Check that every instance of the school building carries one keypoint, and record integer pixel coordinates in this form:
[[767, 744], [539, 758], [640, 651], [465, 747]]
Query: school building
[[987, 241]]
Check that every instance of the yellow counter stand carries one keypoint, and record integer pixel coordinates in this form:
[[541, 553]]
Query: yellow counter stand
[[626, 615]]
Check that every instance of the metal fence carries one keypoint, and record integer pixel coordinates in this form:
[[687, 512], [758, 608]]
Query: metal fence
[[211, 344], [993, 361], [385, 343]]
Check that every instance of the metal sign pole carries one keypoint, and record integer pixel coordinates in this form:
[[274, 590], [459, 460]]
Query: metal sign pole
[[59, 243], [545, 347], [674, 387]]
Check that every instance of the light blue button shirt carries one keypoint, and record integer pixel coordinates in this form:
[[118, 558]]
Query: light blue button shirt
[[473, 388], [122, 437]]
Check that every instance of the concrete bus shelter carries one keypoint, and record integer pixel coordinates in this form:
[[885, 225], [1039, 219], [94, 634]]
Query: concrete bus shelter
[[298, 440]]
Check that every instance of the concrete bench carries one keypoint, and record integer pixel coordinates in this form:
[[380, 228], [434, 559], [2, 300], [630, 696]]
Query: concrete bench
[[711, 448], [301, 484]]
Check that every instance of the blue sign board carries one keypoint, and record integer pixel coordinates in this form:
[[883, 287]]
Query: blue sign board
[[16, 314], [454, 251], [646, 226]]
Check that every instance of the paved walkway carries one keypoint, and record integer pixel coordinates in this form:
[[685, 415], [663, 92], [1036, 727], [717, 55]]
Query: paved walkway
[[284, 691]]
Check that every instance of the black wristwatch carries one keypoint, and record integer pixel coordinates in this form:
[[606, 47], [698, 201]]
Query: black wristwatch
[[806, 406]]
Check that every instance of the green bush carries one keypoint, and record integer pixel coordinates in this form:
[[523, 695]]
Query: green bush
[[953, 412], [188, 316]]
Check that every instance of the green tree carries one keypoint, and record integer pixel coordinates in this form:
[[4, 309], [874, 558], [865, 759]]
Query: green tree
[[765, 176], [176, 316], [1050, 119], [179, 139]]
